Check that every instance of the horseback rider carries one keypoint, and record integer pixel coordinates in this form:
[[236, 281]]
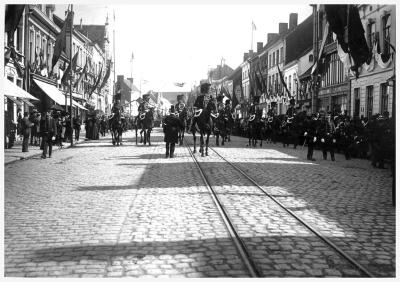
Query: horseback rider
[[201, 102], [144, 106], [117, 108], [180, 106]]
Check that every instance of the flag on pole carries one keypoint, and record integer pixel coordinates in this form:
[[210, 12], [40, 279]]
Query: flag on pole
[[179, 84], [107, 75], [283, 82], [132, 57], [253, 25], [82, 74], [64, 79], [97, 82], [61, 40], [12, 18]]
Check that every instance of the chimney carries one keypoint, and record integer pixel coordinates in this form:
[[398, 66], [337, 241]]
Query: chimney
[[271, 36], [245, 56], [130, 79], [120, 78], [259, 47], [292, 20], [283, 27], [251, 53]]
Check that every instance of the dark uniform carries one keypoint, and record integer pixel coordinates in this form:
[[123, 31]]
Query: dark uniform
[[171, 125], [311, 136], [326, 133]]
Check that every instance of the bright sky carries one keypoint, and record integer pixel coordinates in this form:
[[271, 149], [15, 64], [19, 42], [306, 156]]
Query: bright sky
[[179, 43]]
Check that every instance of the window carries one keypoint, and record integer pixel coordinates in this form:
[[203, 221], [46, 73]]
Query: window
[[44, 50], [356, 102], [32, 45], [273, 59], [386, 33], [277, 57], [19, 36], [290, 84], [281, 54], [269, 60], [49, 53], [384, 98], [371, 33], [370, 100]]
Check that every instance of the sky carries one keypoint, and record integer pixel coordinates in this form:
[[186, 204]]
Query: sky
[[181, 42]]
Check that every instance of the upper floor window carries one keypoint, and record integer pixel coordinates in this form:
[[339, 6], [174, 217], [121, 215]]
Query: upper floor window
[[277, 57], [371, 34], [281, 54], [386, 33]]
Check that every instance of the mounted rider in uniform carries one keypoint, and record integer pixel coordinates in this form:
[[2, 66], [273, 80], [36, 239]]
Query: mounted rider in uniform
[[201, 102]]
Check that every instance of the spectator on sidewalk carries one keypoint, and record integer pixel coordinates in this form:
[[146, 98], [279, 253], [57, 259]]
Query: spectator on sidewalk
[[26, 126], [48, 128], [77, 127], [19, 122], [171, 127]]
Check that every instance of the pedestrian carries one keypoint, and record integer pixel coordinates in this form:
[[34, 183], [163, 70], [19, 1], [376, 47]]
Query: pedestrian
[[26, 126], [48, 129], [311, 136], [171, 127], [327, 138], [77, 126]]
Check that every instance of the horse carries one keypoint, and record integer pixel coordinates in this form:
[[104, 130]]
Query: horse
[[255, 125], [116, 129], [182, 115], [202, 122], [146, 122]]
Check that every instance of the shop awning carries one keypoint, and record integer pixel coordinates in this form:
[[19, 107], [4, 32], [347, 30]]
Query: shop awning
[[305, 74], [28, 103], [18, 103], [11, 89], [79, 105], [52, 92]]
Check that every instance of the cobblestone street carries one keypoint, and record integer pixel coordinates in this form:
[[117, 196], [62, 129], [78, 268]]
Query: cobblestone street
[[97, 210]]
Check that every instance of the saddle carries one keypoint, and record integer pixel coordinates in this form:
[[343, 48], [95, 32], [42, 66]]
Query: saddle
[[143, 115], [252, 117]]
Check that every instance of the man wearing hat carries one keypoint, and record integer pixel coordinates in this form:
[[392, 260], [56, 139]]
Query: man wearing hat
[[117, 107], [171, 125], [48, 129], [144, 105], [200, 102]]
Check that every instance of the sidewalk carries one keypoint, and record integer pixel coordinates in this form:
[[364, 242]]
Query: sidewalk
[[15, 153]]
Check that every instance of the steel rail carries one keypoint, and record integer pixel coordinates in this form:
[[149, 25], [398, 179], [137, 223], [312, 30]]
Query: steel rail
[[239, 244], [309, 227]]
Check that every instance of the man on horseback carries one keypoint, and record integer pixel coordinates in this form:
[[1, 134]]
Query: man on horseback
[[115, 122], [201, 121], [181, 112], [146, 118]]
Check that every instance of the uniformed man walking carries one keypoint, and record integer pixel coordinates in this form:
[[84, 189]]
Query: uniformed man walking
[[171, 127]]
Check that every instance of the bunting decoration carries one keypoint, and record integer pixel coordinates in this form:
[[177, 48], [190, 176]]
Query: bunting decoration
[[83, 73], [13, 16], [96, 83]]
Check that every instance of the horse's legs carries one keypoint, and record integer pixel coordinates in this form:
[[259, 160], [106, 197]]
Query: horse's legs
[[207, 141], [148, 136], [202, 144], [194, 142], [136, 134], [182, 136], [217, 139]]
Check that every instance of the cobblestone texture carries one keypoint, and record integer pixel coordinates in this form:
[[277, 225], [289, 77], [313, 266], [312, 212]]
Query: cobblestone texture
[[102, 211], [347, 201]]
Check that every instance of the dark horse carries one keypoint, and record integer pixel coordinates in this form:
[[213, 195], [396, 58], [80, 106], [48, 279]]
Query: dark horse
[[255, 124], [116, 129], [202, 122], [182, 115], [145, 121]]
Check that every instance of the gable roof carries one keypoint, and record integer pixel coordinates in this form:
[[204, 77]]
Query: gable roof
[[96, 33]]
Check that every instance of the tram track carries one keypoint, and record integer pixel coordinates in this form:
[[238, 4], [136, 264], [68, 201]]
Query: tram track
[[254, 268]]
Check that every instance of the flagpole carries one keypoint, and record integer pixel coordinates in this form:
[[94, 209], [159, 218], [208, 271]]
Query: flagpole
[[115, 61], [252, 30], [70, 77]]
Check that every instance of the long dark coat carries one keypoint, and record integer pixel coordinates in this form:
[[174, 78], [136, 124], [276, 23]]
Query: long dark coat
[[171, 127]]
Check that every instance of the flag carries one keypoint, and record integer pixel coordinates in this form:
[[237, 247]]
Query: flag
[[13, 16], [83, 73], [7, 56], [61, 40], [235, 100], [253, 26], [258, 82], [132, 57], [97, 82], [324, 37], [64, 79], [179, 84], [346, 23], [283, 82], [107, 75]]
